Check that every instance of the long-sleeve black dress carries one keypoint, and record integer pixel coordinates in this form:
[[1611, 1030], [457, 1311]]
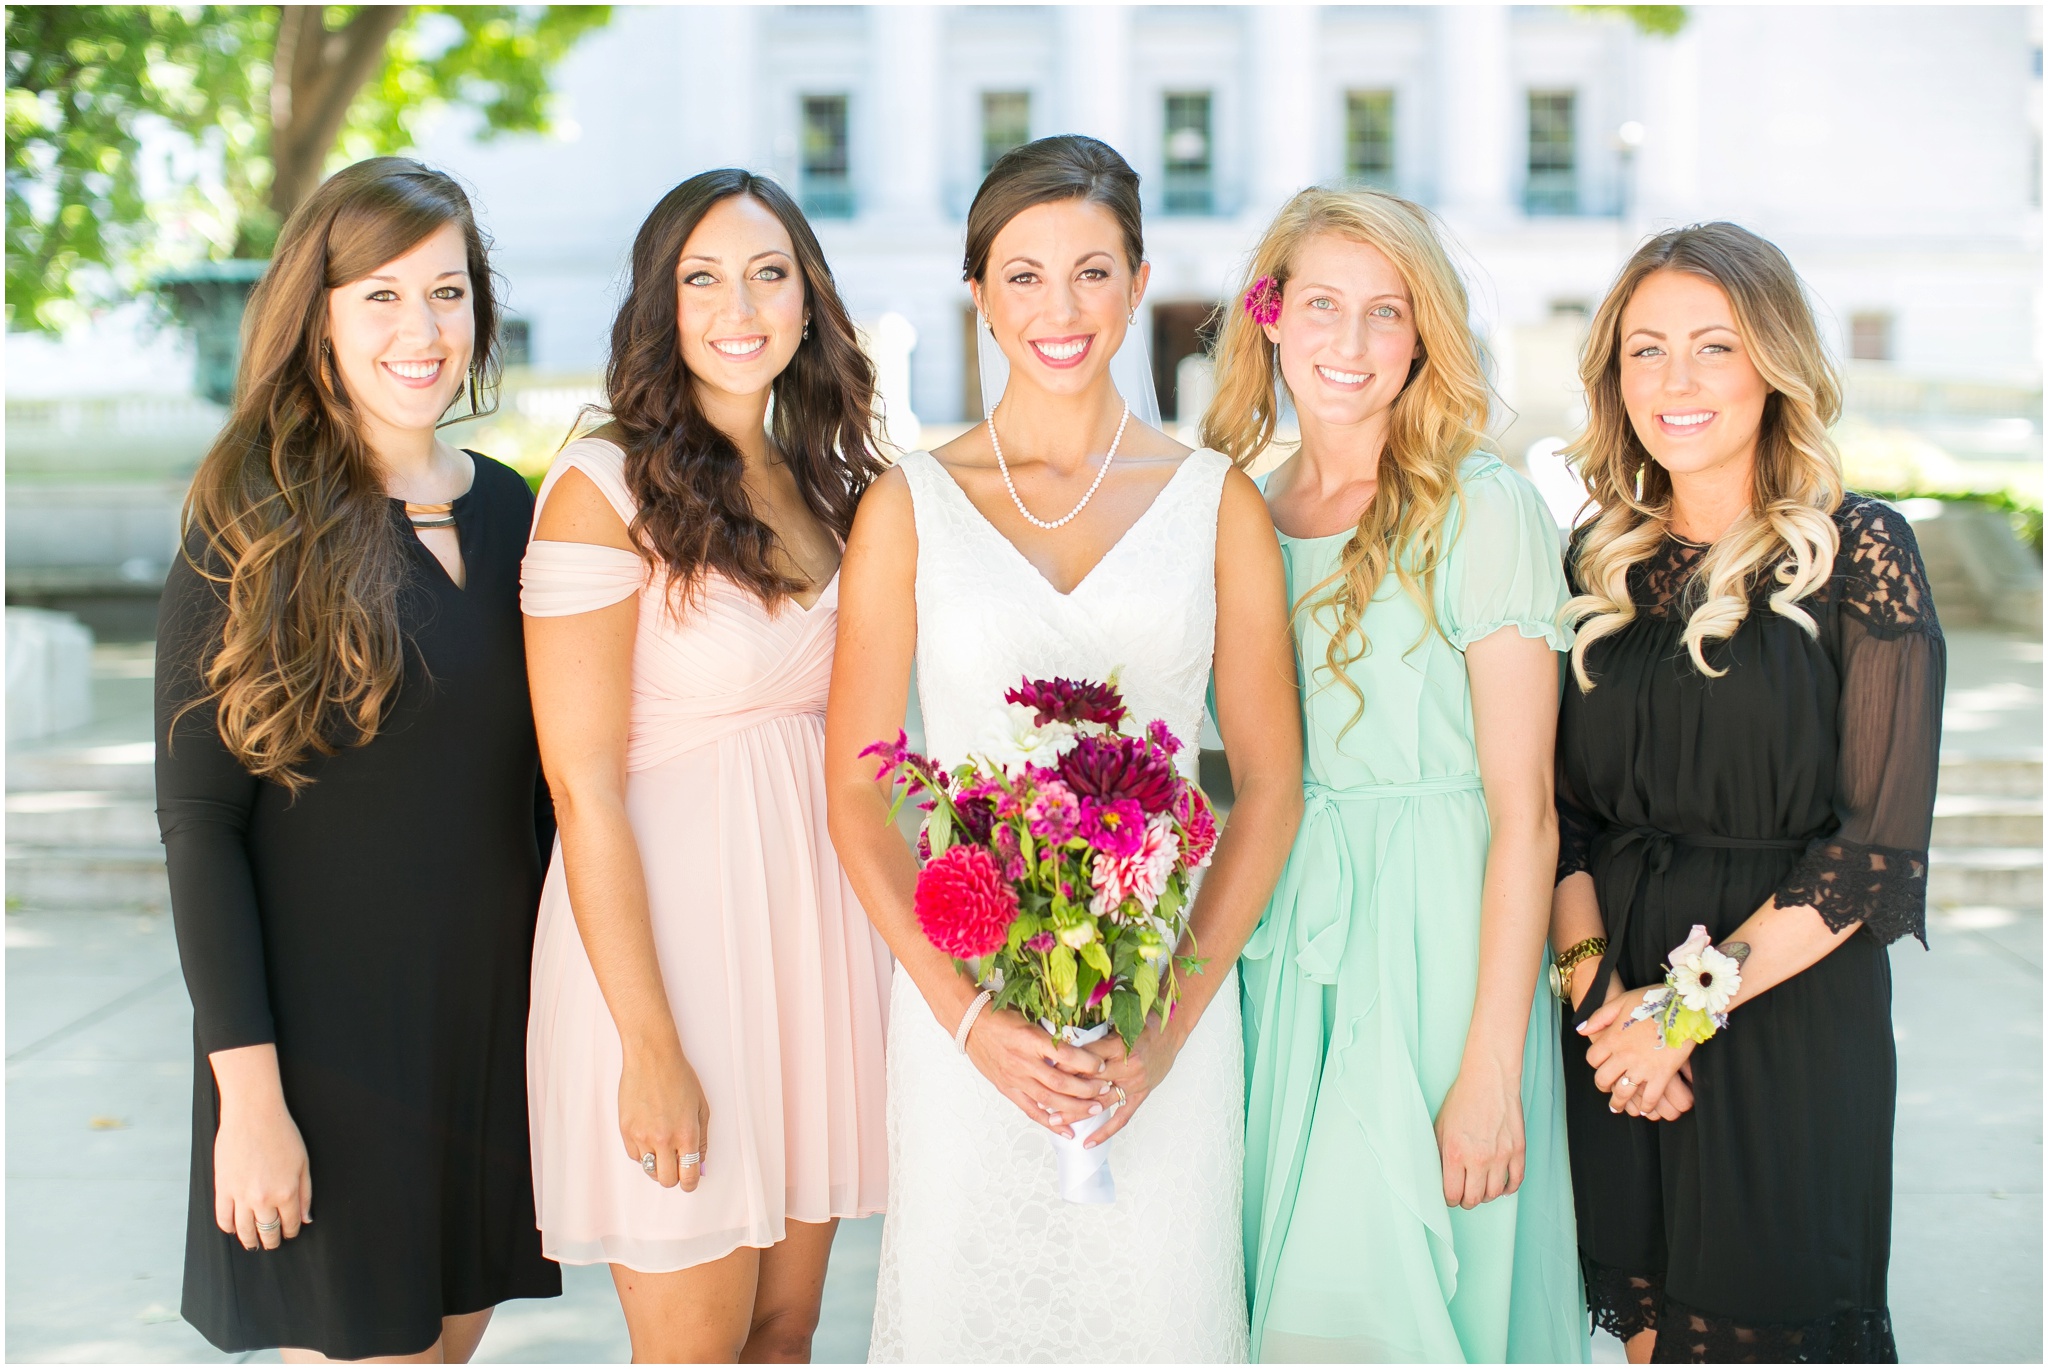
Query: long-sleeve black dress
[[1757, 1226], [378, 928]]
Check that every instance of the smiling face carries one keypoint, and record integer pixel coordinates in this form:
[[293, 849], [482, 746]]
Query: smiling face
[[740, 310], [1692, 393], [402, 336], [1059, 293], [1346, 332]]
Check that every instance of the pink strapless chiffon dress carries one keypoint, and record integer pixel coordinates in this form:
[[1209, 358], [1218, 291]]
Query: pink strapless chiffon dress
[[779, 984]]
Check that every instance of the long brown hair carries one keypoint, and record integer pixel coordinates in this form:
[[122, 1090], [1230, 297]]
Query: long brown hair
[[1788, 534], [288, 514], [1438, 419], [686, 475]]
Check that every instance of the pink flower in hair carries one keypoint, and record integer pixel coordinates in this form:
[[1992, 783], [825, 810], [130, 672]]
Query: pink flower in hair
[[1262, 301]]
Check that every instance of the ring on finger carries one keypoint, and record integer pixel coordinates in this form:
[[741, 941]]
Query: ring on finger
[[647, 1162], [1624, 1082], [273, 1224], [1121, 1097], [694, 1157]]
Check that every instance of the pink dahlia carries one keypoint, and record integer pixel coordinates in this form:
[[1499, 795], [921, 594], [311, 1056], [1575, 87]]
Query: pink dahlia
[[1141, 875], [1115, 828], [1070, 701], [1121, 768], [962, 903]]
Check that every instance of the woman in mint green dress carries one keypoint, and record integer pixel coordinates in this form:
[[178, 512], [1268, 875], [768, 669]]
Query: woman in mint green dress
[[1407, 1190]]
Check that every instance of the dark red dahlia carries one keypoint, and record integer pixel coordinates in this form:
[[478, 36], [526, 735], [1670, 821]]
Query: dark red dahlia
[[963, 903], [977, 816], [1112, 768], [1070, 701]]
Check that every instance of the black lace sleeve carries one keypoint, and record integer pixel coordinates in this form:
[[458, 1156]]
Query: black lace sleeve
[[1575, 833], [1873, 869]]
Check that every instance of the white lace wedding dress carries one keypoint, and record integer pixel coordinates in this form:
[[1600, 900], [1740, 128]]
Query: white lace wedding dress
[[981, 1258]]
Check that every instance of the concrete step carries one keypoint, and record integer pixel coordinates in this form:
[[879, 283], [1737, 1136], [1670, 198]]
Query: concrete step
[[2005, 876], [1986, 820], [96, 877], [127, 768], [2010, 776], [80, 817]]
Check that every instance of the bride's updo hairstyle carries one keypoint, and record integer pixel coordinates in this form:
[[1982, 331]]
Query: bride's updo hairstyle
[[1788, 533], [684, 473], [1050, 171], [1437, 420]]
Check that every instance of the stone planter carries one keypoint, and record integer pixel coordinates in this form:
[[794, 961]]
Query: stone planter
[[208, 299]]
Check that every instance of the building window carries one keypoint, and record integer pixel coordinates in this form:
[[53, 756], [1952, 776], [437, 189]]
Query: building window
[[1553, 183], [1190, 159], [1005, 123], [827, 181], [1369, 138], [1870, 337], [515, 342]]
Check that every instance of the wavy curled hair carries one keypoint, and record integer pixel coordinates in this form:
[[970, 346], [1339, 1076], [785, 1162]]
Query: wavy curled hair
[[1788, 535], [288, 514], [1438, 419], [687, 476]]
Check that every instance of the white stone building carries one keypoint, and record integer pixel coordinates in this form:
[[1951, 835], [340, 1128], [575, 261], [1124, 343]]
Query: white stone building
[[1894, 152]]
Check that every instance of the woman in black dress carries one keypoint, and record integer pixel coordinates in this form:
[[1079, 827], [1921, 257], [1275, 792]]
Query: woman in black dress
[[1749, 747], [347, 789]]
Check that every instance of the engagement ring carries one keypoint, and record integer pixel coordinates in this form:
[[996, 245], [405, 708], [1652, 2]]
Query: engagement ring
[[647, 1162]]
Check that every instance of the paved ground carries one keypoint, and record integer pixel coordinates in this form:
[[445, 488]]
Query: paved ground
[[98, 1092]]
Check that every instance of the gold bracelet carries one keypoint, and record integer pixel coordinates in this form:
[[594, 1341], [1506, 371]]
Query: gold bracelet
[[1569, 960]]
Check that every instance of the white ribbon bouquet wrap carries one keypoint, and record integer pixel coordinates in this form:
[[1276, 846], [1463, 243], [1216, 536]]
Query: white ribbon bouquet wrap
[[1058, 865]]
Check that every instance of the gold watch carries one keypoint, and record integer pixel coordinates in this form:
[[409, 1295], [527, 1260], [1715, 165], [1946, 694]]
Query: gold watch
[[1567, 961]]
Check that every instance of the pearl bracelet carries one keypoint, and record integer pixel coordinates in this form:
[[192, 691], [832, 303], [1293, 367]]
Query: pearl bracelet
[[967, 1022]]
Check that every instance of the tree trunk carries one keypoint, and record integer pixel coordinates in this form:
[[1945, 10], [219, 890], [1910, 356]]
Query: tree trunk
[[315, 74]]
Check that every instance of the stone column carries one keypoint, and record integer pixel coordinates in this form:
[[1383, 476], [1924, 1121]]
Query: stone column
[[719, 98], [1667, 166], [1289, 112], [902, 145], [1477, 113], [1095, 51]]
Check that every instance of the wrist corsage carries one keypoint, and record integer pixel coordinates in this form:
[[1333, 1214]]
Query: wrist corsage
[[1692, 1002]]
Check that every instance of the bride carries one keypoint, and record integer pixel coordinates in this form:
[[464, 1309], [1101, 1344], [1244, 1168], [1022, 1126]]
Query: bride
[[1062, 538]]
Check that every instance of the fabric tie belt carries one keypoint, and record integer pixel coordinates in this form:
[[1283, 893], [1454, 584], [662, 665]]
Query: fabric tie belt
[[1323, 835], [1649, 850]]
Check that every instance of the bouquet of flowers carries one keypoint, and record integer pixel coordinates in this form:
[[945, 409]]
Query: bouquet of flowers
[[1056, 868]]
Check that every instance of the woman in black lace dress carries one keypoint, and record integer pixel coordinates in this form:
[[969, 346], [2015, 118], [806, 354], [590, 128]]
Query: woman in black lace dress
[[1750, 747]]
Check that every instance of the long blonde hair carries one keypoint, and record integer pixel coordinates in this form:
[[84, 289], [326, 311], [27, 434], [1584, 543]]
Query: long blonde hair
[[1438, 419], [1788, 532]]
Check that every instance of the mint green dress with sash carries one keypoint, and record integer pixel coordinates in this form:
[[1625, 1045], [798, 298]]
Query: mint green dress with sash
[[1359, 983]]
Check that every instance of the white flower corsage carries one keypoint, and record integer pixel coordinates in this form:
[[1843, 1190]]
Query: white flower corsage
[[1692, 1002]]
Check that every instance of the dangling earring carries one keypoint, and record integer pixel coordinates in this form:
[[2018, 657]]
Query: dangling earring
[[1134, 317], [475, 403], [807, 331]]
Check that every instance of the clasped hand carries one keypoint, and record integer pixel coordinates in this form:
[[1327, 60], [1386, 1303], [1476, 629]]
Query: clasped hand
[[1658, 1076], [1054, 1083]]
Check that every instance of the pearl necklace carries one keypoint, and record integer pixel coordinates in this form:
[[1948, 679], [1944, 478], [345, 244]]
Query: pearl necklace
[[1011, 486]]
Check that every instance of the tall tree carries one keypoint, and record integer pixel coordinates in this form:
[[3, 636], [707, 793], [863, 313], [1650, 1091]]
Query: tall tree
[[266, 98]]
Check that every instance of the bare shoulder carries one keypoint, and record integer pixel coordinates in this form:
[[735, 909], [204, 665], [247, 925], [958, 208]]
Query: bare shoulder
[[886, 516], [576, 510], [1242, 511]]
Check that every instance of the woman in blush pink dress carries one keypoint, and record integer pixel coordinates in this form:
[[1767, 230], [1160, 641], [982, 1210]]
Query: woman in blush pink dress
[[704, 1055]]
